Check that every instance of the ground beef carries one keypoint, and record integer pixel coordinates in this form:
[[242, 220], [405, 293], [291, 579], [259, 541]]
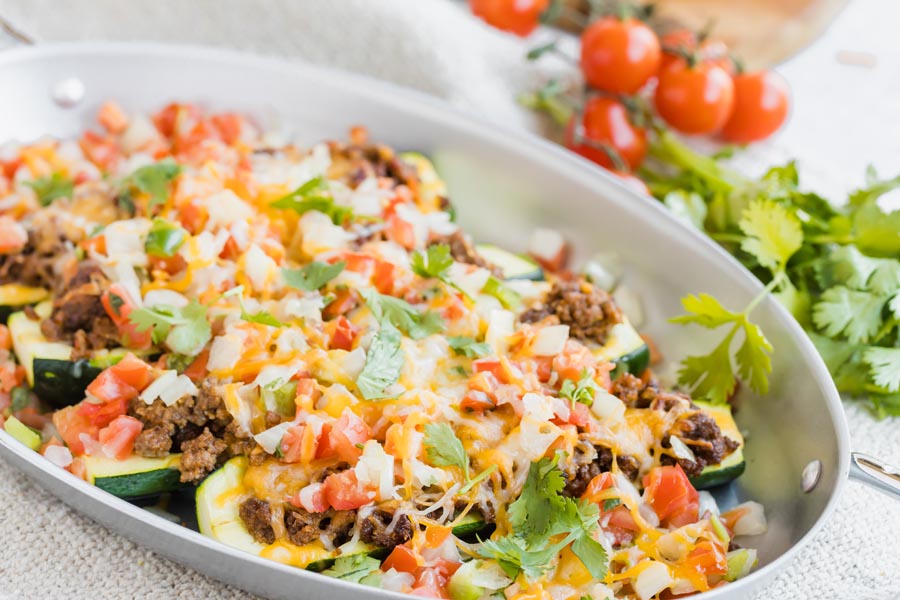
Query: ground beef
[[374, 529], [588, 311], [702, 434], [257, 517], [200, 455], [355, 163], [154, 442], [463, 250], [304, 527], [582, 471], [636, 393], [78, 314], [34, 265]]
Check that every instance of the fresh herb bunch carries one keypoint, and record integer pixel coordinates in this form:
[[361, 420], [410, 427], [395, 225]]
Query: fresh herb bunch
[[836, 269]]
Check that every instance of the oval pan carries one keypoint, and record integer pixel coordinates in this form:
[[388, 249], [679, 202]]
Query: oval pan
[[505, 183]]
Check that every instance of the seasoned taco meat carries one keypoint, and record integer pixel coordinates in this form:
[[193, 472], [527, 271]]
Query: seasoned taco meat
[[702, 435], [463, 250], [637, 393], [154, 442], [588, 311], [257, 517], [376, 529], [200, 455], [583, 469], [304, 527]]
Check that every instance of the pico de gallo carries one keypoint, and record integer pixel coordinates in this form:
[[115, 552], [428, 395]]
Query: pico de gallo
[[305, 341]]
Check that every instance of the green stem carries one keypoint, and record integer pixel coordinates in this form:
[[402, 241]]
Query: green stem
[[559, 111], [779, 278], [727, 237], [669, 149], [831, 239]]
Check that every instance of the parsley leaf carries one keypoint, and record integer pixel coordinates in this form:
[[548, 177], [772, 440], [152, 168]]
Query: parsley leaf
[[355, 568], [384, 361], [313, 276], [164, 238], [467, 346], [583, 391], [154, 180], [314, 195], [402, 315], [773, 234], [435, 262], [184, 330], [444, 448], [50, 188]]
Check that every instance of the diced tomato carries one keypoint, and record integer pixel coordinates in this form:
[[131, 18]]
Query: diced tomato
[[344, 301], [71, 424], [118, 305], [112, 117], [307, 394], [708, 558], [490, 365], [573, 360], [193, 215], [108, 387], [621, 525], [671, 495], [344, 438], [229, 126], [476, 401], [165, 119], [357, 262], [580, 415], [430, 583], [311, 498], [342, 333], [31, 417], [601, 482], [118, 437], [435, 535], [344, 492], [94, 244], [384, 277], [292, 444], [231, 250], [13, 236], [401, 232], [171, 265], [402, 559], [544, 368], [133, 371], [102, 413], [77, 468], [103, 151], [8, 377], [196, 371], [5, 338]]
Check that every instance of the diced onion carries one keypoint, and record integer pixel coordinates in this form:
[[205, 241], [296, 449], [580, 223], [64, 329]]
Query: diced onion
[[707, 503], [484, 574], [397, 581], [604, 270], [469, 279], [607, 406], [59, 456], [630, 303], [652, 580], [546, 244], [501, 325], [228, 208], [225, 352], [153, 390], [166, 297], [681, 450], [550, 340], [181, 387], [306, 495], [139, 134], [753, 521], [271, 437], [376, 468], [672, 546], [259, 267]]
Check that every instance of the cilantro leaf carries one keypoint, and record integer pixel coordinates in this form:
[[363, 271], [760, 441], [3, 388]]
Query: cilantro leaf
[[753, 358], [885, 367], [532, 513], [184, 330], [402, 315], [444, 448], [164, 238], [583, 391], [710, 376], [435, 262], [312, 276], [384, 360], [262, 317], [355, 567], [154, 180], [50, 188], [314, 195], [855, 314], [706, 311], [467, 346], [513, 556], [773, 233]]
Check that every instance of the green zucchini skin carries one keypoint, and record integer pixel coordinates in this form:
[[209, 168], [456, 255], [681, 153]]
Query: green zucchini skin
[[635, 362], [513, 266], [141, 485], [62, 383], [717, 475]]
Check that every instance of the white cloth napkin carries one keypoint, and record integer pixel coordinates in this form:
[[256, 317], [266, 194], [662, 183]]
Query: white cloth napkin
[[48, 551]]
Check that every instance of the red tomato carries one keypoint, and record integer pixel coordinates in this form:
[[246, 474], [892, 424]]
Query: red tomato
[[621, 525], [197, 370], [515, 16], [401, 232], [761, 102], [619, 55], [344, 301], [402, 559], [102, 151], [101, 414], [695, 100], [71, 424], [671, 495], [5, 338], [476, 401], [344, 492], [606, 128], [708, 558], [118, 438], [292, 444], [311, 498], [384, 277], [112, 117], [579, 415], [107, 387], [342, 333], [601, 482], [229, 126], [118, 305], [13, 236], [133, 371], [676, 44], [345, 436]]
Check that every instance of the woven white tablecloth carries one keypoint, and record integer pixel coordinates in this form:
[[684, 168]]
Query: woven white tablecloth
[[845, 117]]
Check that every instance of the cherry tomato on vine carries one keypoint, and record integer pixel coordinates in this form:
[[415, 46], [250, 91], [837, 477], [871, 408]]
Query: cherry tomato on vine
[[694, 99], [605, 123], [680, 41], [761, 102], [515, 16], [619, 55]]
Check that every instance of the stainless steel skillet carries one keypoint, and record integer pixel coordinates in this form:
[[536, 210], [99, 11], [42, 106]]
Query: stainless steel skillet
[[505, 184]]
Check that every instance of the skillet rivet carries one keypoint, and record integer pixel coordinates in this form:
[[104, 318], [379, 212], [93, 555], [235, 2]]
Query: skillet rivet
[[67, 92], [810, 477]]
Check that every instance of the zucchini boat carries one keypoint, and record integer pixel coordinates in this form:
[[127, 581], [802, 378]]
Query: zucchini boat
[[626, 348], [218, 517], [513, 266], [14, 297], [431, 187], [734, 464], [134, 477]]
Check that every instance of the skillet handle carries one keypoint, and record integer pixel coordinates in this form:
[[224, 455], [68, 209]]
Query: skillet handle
[[876, 474]]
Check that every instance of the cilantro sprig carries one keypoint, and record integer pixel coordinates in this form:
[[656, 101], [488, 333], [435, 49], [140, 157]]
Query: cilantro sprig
[[581, 391], [50, 188], [402, 315], [315, 195], [313, 276], [384, 361], [434, 262], [467, 346], [543, 523], [184, 330], [445, 449], [153, 180]]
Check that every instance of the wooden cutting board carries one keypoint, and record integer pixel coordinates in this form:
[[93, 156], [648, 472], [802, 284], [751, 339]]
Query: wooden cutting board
[[762, 32]]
